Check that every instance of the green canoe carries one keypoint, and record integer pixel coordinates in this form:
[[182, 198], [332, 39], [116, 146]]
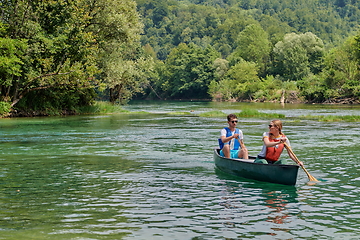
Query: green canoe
[[274, 173]]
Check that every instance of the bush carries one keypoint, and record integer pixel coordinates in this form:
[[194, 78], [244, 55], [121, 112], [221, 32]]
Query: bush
[[4, 108]]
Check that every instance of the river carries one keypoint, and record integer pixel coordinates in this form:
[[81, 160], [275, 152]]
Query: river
[[152, 176]]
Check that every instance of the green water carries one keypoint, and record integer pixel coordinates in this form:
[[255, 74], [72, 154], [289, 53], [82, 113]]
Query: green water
[[152, 176]]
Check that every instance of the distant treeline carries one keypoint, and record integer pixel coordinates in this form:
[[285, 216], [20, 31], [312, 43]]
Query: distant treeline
[[57, 56], [253, 50]]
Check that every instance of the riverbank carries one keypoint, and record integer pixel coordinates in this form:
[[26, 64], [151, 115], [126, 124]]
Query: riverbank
[[342, 101], [101, 107], [98, 107]]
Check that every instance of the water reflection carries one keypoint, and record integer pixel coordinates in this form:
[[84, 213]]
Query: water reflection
[[278, 201], [248, 200]]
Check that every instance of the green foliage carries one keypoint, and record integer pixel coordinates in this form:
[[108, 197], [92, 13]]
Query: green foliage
[[4, 108], [240, 82], [252, 113], [297, 56], [245, 113], [258, 50], [100, 107], [332, 118], [11, 51], [125, 69], [312, 88], [188, 71], [169, 23], [281, 39], [56, 101], [49, 45], [270, 89], [244, 79], [58, 51], [254, 46], [222, 90], [213, 114], [340, 75]]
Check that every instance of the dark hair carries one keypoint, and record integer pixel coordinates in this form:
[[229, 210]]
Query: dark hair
[[231, 116]]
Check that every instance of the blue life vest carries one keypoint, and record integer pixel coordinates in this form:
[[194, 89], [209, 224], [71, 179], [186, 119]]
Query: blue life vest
[[228, 134]]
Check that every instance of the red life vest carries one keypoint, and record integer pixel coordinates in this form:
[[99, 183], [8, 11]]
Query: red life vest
[[273, 153]]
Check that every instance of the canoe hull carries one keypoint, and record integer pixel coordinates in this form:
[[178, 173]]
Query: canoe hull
[[274, 173]]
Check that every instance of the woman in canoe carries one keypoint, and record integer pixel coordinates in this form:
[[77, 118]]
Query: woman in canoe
[[274, 145]]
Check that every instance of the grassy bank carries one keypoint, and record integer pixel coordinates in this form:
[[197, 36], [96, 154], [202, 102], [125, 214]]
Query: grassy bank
[[332, 118], [253, 113], [102, 108], [108, 108], [246, 113]]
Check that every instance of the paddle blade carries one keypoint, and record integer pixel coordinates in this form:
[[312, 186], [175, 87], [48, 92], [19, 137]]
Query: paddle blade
[[311, 183], [313, 179]]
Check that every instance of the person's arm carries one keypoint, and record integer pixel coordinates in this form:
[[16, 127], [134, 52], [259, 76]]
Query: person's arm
[[225, 139], [240, 138], [272, 144], [242, 144], [293, 158]]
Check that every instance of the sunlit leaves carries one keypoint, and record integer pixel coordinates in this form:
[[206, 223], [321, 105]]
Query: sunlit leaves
[[11, 51], [297, 55], [253, 45], [73, 43], [189, 70]]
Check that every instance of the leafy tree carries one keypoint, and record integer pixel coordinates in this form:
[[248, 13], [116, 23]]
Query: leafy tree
[[11, 51], [124, 68], [341, 74], [313, 88], [270, 89], [188, 72], [69, 46], [245, 79], [240, 83], [58, 52], [226, 35], [297, 56], [274, 28], [222, 21], [221, 67], [222, 90], [254, 46]]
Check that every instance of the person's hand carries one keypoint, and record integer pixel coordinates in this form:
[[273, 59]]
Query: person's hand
[[236, 135], [301, 163], [283, 139]]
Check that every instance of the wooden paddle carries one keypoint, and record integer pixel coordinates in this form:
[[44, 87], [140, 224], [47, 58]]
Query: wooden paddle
[[311, 178]]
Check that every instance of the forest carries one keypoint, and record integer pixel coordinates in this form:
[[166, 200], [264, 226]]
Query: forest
[[59, 56]]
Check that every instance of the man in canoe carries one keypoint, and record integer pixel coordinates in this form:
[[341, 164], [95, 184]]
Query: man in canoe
[[274, 145], [232, 140]]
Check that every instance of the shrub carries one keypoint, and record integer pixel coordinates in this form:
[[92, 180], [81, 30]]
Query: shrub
[[4, 108]]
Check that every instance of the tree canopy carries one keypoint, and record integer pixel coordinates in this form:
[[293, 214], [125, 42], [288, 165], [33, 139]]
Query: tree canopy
[[56, 46], [285, 44], [64, 54]]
